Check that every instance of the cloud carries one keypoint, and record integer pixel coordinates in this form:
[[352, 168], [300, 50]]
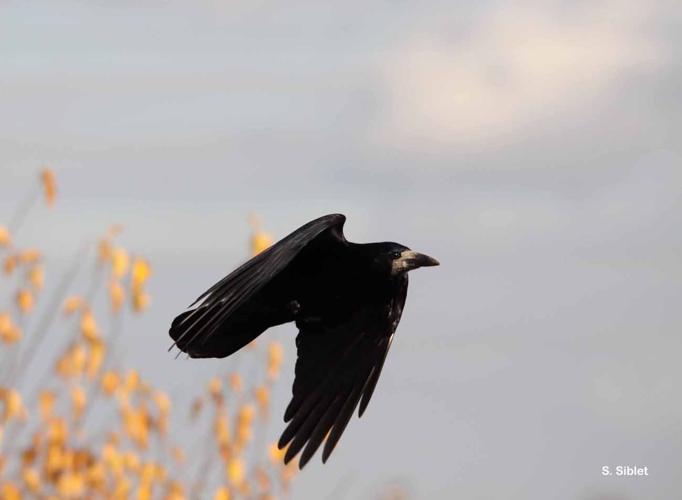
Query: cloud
[[518, 67]]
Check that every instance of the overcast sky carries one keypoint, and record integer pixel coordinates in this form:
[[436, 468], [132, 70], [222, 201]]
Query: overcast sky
[[534, 148]]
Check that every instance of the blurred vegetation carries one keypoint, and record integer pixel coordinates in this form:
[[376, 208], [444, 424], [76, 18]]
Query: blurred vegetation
[[90, 426]]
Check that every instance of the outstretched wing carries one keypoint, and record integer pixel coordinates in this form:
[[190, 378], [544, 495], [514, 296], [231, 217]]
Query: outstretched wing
[[336, 369], [194, 328]]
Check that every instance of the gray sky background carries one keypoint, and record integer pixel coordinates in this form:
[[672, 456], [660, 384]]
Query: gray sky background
[[534, 148]]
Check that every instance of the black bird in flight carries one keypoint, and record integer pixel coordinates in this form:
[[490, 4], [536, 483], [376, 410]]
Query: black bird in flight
[[346, 299]]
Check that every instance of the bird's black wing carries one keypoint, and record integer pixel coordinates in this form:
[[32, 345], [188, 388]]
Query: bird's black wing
[[336, 369], [192, 329]]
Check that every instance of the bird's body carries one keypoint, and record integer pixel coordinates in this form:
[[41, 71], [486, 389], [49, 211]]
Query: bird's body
[[346, 300]]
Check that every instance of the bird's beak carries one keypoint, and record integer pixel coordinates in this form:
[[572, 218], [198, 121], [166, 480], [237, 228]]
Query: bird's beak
[[413, 260]]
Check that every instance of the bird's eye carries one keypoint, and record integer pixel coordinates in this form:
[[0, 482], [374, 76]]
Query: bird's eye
[[396, 255]]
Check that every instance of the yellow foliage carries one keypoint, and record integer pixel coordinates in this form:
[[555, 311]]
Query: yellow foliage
[[119, 262], [49, 186], [260, 241], [262, 394], [175, 492], [12, 405], [276, 455], [144, 492], [72, 362], [25, 300], [10, 263], [5, 237], [57, 431], [29, 256], [136, 422], [5, 322], [110, 382], [9, 332], [96, 358], [197, 406], [72, 304], [235, 471], [9, 491], [132, 381], [275, 356], [78, 402], [50, 466], [71, 485], [88, 327], [178, 455], [104, 250], [221, 429], [36, 277], [236, 383], [131, 461], [222, 493], [46, 401], [116, 295], [163, 402], [141, 300], [214, 387], [141, 272], [31, 479]]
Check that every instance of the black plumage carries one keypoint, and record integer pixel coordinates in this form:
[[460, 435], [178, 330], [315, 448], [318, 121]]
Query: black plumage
[[346, 299]]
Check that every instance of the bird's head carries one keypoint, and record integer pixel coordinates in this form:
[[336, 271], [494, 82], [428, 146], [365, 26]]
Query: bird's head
[[399, 259]]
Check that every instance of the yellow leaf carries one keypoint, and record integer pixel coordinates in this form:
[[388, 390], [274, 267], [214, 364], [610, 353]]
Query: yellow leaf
[[5, 322], [197, 406], [78, 402], [222, 493], [72, 304], [141, 272], [116, 295], [260, 241], [10, 263], [9, 332], [31, 479], [36, 277], [144, 492], [29, 256], [132, 381], [49, 185], [276, 455], [214, 387], [163, 402], [178, 454], [235, 471], [46, 401], [221, 429], [141, 300], [110, 382], [236, 383], [96, 358], [57, 431], [89, 328], [25, 300], [104, 250], [13, 405], [10, 492], [275, 356], [71, 485], [262, 394], [5, 237], [119, 262]]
